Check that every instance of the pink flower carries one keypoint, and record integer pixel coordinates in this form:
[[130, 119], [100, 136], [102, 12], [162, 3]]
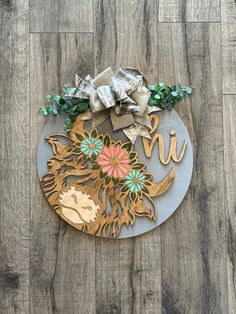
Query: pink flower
[[114, 160]]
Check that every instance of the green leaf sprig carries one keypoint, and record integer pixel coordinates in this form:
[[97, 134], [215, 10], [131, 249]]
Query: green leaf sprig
[[167, 96], [163, 96], [71, 106]]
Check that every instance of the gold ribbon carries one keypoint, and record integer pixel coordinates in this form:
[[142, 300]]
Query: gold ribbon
[[122, 96]]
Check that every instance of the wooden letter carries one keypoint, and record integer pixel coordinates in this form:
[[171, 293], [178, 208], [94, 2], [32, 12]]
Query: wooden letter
[[148, 146]]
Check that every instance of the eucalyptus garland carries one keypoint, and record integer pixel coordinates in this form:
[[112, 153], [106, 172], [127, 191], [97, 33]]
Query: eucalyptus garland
[[167, 96], [163, 96]]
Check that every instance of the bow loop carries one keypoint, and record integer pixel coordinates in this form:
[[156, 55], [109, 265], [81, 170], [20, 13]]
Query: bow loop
[[122, 96]]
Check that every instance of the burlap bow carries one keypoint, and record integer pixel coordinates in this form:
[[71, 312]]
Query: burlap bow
[[122, 96]]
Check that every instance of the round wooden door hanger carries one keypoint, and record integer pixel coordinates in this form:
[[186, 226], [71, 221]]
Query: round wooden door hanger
[[101, 184]]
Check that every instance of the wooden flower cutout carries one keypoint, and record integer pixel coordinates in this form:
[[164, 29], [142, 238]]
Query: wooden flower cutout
[[115, 161]]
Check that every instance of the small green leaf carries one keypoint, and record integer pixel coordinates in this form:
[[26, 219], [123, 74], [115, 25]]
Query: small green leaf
[[59, 100], [127, 146], [133, 196], [107, 140], [157, 88], [153, 101], [67, 124], [50, 97], [147, 176], [145, 190], [107, 180], [49, 109], [72, 118], [124, 189], [95, 166], [94, 158], [94, 133], [43, 111], [152, 87], [115, 180], [76, 150], [174, 94], [102, 174], [79, 136], [69, 90], [54, 111], [132, 156], [189, 90], [138, 166], [82, 107], [157, 96], [65, 107]]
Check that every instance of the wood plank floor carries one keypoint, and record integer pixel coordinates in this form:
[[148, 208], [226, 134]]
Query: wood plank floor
[[188, 265]]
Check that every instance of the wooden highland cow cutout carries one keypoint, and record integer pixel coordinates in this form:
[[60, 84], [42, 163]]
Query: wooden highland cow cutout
[[93, 170]]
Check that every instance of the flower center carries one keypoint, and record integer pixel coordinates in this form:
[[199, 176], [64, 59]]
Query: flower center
[[136, 181], [91, 145], [114, 161]]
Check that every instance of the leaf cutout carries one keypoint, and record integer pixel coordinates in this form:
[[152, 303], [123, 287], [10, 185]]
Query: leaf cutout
[[124, 189], [147, 176], [102, 174], [95, 166], [76, 150], [107, 180], [86, 134], [107, 140], [93, 158], [145, 190], [132, 156], [79, 136], [138, 166], [127, 146], [115, 180], [132, 196], [94, 133]]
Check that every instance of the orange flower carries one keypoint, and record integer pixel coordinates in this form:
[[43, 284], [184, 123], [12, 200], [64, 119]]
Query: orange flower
[[114, 160]]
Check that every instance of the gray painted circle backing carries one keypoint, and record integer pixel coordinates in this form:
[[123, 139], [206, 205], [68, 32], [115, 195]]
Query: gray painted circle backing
[[167, 203]]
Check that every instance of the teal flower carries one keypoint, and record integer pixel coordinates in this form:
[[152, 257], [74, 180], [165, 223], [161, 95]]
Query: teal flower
[[91, 146], [135, 181]]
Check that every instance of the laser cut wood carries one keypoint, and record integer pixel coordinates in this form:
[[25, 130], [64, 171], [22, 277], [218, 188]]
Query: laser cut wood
[[92, 169], [149, 144]]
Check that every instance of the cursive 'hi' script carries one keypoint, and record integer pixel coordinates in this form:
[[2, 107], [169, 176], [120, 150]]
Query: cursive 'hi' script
[[148, 144]]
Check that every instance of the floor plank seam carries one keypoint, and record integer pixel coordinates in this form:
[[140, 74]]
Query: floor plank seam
[[61, 32]]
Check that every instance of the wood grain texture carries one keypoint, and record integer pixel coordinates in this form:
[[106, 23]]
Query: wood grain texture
[[187, 265], [230, 194], [229, 57], [193, 240], [14, 160], [228, 11], [61, 263], [61, 16], [125, 34], [127, 271], [189, 11]]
